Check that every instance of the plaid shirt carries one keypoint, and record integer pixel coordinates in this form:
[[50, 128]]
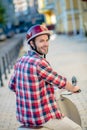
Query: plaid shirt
[[33, 82]]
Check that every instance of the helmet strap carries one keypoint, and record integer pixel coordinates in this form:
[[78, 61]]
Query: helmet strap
[[44, 56]]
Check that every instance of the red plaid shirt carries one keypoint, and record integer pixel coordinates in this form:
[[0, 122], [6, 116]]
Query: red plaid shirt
[[33, 82]]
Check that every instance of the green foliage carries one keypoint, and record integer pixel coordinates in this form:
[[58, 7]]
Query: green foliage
[[2, 13]]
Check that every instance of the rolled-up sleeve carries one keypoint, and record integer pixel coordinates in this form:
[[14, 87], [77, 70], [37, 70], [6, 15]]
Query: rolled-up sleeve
[[49, 75]]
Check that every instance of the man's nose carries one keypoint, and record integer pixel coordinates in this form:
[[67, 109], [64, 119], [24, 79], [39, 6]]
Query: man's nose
[[46, 43]]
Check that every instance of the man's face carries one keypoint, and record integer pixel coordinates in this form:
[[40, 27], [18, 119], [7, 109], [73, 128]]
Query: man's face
[[42, 44]]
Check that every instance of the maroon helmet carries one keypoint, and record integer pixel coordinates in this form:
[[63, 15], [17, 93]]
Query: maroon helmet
[[37, 30]]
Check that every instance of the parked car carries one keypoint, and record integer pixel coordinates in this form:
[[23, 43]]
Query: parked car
[[21, 27], [2, 34], [9, 32]]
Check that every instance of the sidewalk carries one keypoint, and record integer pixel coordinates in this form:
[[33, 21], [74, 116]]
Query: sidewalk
[[68, 57], [7, 107]]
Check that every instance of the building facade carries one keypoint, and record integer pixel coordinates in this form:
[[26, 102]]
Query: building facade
[[84, 15], [64, 16], [70, 15], [47, 8], [26, 10]]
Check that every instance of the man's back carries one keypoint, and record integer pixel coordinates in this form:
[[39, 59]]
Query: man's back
[[34, 96]]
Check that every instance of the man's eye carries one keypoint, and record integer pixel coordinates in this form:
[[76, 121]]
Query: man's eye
[[44, 40], [41, 40]]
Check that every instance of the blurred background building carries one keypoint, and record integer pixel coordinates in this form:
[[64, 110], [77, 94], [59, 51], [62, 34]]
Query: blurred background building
[[67, 16], [63, 16], [47, 7]]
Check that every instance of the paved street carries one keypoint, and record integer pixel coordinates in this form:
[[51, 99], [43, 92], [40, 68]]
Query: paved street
[[6, 45], [68, 56], [9, 50]]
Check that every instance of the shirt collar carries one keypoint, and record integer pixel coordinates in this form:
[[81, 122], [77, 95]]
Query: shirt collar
[[33, 52]]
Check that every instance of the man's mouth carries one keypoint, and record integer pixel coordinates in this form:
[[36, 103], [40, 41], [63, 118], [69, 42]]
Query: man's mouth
[[45, 48]]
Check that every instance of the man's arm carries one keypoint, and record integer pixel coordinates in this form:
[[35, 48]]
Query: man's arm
[[52, 77], [46, 72]]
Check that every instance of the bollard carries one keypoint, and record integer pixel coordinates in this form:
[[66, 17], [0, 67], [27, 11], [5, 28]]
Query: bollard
[[14, 56], [10, 59], [7, 59], [4, 67], [1, 77]]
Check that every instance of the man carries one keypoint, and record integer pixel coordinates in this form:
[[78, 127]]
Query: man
[[33, 82]]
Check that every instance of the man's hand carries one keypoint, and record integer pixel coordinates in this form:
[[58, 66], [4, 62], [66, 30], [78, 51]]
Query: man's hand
[[72, 88]]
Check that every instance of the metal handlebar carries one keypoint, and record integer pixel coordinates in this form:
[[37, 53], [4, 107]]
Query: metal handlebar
[[74, 83]]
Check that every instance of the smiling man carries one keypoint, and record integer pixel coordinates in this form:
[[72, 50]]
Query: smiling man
[[40, 44], [33, 82]]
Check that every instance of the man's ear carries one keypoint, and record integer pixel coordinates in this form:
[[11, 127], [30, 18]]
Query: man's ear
[[32, 44]]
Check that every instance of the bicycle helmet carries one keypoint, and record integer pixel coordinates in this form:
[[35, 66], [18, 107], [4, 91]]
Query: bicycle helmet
[[35, 31]]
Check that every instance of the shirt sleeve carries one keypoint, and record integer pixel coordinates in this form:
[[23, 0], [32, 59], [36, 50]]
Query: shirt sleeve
[[46, 72], [12, 82]]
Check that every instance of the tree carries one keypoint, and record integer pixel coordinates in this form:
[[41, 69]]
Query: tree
[[2, 13]]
